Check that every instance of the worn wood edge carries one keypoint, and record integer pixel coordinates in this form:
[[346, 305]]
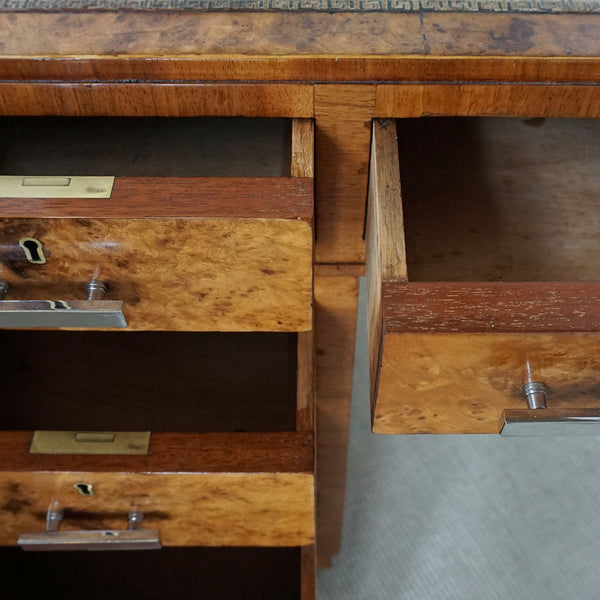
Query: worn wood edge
[[317, 68], [336, 301], [535, 307], [176, 452], [156, 99], [181, 197], [303, 148], [514, 100]]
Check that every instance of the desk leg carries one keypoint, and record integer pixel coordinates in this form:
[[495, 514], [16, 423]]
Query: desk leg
[[336, 296]]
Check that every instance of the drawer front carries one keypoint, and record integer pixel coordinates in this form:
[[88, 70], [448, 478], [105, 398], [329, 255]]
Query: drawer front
[[451, 341], [457, 383], [194, 224], [196, 490], [171, 274]]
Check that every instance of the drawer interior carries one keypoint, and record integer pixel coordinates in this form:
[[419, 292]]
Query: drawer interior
[[500, 199], [174, 573], [146, 146], [157, 381], [483, 269]]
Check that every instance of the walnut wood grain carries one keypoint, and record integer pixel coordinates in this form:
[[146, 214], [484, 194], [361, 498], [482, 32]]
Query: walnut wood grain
[[343, 124], [178, 197], [156, 99], [245, 489], [303, 33], [461, 383], [311, 68], [488, 100], [199, 509], [479, 307], [172, 274], [336, 298]]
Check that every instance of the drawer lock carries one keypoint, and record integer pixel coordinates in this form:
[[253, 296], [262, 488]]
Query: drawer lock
[[90, 442]]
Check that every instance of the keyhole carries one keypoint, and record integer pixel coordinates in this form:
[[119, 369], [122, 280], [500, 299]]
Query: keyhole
[[85, 489], [33, 250]]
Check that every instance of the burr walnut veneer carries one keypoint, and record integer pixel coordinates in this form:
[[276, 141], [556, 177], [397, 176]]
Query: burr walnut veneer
[[435, 370]]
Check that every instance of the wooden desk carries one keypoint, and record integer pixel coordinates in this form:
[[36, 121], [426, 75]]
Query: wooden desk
[[340, 69]]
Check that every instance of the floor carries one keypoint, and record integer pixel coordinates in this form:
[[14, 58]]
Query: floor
[[465, 517]]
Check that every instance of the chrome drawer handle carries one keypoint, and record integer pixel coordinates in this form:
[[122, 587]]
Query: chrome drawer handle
[[91, 313], [537, 420], [132, 538]]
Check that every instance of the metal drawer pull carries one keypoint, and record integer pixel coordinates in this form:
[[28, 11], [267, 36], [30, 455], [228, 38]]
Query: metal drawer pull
[[91, 313], [132, 538], [537, 420]]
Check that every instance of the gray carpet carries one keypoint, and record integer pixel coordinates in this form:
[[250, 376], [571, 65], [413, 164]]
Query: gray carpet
[[465, 517], [513, 6]]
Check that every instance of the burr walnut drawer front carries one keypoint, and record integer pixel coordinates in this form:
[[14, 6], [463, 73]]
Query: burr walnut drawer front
[[483, 270], [169, 243], [208, 436]]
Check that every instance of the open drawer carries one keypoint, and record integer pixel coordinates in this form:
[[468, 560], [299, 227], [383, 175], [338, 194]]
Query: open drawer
[[483, 272], [230, 460], [179, 224]]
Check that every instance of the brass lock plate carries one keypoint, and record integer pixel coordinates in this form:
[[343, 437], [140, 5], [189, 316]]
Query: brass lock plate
[[90, 442], [18, 186]]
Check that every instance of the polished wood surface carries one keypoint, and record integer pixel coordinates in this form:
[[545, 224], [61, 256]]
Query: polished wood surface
[[180, 197], [172, 274], [343, 132], [198, 489], [487, 100], [157, 99], [461, 383], [270, 452], [299, 34], [194, 509]]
